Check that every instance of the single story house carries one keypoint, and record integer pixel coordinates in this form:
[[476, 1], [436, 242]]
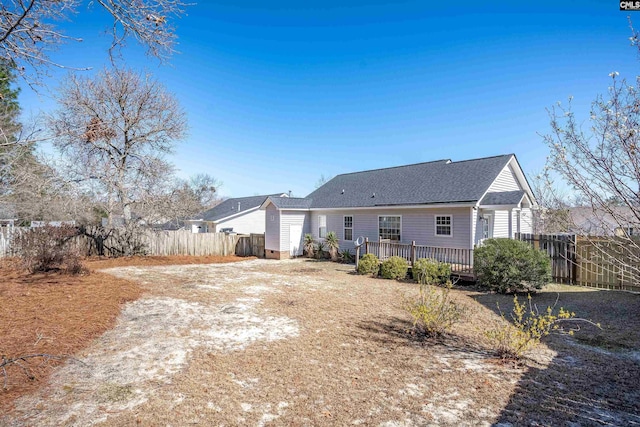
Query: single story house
[[440, 204], [240, 215]]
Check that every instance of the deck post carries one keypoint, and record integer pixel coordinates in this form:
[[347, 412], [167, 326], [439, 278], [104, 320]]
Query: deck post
[[413, 252]]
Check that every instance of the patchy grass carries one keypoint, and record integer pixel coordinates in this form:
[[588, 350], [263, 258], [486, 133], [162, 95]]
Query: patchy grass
[[309, 343]]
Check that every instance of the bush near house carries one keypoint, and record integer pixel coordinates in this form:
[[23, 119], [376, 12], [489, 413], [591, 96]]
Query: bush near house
[[427, 271], [394, 268], [508, 266], [369, 265]]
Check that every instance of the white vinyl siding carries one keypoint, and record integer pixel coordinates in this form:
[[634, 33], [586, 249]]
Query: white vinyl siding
[[417, 224], [250, 222], [506, 181], [526, 221], [501, 223], [272, 229]]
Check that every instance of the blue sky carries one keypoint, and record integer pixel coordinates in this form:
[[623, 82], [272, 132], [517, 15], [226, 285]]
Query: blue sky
[[278, 93]]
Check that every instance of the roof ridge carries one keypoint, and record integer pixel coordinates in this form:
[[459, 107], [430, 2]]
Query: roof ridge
[[484, 158], [394, 167], [424, 163]]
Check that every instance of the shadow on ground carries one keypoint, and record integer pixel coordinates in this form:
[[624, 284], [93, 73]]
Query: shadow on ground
[[595, 377]]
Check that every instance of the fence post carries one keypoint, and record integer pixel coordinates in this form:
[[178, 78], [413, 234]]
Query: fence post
[[413, 252], [366, 245]]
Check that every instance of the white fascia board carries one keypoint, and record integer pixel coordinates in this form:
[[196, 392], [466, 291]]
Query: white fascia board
[[523, 180], [499, 207]]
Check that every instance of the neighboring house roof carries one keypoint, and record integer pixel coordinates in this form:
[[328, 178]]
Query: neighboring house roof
[[503, 198], [441, 181], [594, 221], [234, 206]]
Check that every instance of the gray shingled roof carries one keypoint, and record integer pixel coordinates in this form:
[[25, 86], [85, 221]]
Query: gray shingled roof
[[440, 181], [502, 198], [230, 207], [291, 202]]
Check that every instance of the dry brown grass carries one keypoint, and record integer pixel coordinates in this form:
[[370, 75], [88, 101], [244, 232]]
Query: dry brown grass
[[308, 343], [99, 263]]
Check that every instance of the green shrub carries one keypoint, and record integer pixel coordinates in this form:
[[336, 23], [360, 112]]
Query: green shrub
[[394, 268], [346, 256], [427, 271], [512, 340], [506, 265], [433, 311], [369, 265]]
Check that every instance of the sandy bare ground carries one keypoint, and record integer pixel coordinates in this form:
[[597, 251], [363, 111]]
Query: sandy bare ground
[[308, 343]]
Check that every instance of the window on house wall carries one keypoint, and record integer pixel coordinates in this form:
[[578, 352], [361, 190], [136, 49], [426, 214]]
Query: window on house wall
[[348, 228], [487, 225], [322, 226], [443, 225], [390, 227]]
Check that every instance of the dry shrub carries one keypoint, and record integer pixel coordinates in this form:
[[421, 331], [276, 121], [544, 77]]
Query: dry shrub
[[512, 340], [433, 311], [49, 248]]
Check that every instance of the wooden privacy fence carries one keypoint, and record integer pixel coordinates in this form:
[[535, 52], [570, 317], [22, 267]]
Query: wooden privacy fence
[[600, 262], [250, 245], [180, 242], [461, 260]]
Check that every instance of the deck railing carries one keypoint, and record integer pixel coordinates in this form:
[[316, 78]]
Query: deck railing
[[461, 260]]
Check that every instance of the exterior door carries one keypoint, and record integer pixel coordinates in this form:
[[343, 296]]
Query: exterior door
[[295, 240], [487, 227]]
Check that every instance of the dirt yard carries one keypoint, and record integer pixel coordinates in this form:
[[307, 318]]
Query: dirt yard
[[308, 343]]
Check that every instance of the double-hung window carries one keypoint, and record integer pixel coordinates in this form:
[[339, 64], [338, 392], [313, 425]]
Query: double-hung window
[[390, 227], [322, 226], [348, 228], [444, 225]]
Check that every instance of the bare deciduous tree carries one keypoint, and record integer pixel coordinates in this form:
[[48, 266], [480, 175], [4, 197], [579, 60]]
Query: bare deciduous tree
[[28, 30], [115, 130], [601, 166]]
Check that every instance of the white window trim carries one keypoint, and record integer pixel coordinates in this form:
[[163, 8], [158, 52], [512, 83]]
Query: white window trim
[[345, 228], [435, 226], [378, 225], [325, 226]]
